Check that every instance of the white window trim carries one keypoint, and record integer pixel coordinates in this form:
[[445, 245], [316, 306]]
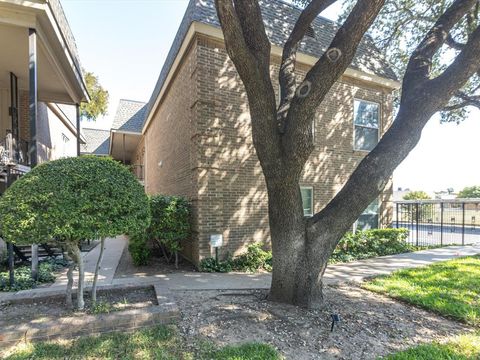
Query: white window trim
[[354, 145], [311, 200]]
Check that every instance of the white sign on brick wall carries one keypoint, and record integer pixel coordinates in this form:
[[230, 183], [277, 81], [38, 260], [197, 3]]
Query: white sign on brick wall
[[216, 240]]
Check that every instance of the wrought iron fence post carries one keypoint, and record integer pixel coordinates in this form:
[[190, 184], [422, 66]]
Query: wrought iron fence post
[[463, 224], [416, 221], [441, 224], [397, 213]]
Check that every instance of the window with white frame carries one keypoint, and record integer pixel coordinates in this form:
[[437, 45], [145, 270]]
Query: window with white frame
[[369, 217], [307, 200], [367, 123], [65, 141]]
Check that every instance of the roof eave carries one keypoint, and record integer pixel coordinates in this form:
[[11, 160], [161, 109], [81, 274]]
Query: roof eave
[[216, 32]]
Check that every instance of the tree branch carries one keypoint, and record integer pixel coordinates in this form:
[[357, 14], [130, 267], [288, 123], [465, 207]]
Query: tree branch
[[465, 100], [418, 68], [418, 105], [287, 78], [454, 44], [297, 140], [249, 49]]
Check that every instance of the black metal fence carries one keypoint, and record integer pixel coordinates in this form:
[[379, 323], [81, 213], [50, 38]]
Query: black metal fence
[[439, 222]]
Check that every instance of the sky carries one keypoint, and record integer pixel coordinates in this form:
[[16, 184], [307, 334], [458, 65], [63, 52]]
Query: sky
[[125, 43]]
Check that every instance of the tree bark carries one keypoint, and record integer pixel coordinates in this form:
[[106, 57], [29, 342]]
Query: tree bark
[[34, 259], [283, 139], [71, 266], [81, 276], [97, 269]]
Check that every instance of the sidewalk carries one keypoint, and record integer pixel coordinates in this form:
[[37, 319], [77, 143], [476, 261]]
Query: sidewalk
[[352, 272], [111, 257]]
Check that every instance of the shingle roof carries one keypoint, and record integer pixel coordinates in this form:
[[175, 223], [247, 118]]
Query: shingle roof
[[97, 141], [279, 18], [130, 116]]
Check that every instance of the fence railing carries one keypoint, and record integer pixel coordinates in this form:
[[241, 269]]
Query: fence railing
[[439, 222]]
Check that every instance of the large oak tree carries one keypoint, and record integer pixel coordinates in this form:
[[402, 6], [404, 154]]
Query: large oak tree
[[282, 135]]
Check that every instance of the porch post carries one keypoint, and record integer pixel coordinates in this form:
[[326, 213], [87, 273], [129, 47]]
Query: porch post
[[32, 111], [123, 146], [33, 95], [78, 129]]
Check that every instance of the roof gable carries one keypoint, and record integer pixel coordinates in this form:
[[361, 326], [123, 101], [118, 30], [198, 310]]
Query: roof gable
[[279, 18], [130, 116], [97, 141]]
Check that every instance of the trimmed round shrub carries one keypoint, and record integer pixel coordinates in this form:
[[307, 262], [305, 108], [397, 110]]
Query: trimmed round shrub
[[72, 199]]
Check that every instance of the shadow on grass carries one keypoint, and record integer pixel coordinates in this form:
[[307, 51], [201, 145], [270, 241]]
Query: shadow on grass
[[160, 342]]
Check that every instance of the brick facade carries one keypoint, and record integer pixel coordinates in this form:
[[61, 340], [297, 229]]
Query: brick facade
[[199, 145]]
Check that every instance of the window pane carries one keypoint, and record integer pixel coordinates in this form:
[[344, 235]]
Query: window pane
[[372, 208], [307, 200], [366, 114], [366, 222], [365, 138]]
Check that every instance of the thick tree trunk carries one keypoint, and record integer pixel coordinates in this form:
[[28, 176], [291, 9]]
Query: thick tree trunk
[[97, 269], [299, 257], [81, 277]]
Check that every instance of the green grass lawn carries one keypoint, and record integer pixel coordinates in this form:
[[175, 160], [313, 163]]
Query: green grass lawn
[[466, 347], [450, 288], [160, 342]]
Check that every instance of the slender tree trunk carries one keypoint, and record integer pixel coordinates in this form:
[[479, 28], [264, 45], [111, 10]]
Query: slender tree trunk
[[97, 269], [81, 277], [176, 259], [34, 262], [71, 267]]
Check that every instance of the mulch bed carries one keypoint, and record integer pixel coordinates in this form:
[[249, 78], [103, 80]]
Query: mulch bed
[[157, 265], [371, 325], [54, 307]]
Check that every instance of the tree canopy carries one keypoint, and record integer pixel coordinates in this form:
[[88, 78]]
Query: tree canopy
[[98, 104], [469, 192], [400, 27], [416, 195], [73, 199]]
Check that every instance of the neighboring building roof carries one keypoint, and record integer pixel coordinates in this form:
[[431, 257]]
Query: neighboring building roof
[[279, 18], [130, 116], [97, 141]]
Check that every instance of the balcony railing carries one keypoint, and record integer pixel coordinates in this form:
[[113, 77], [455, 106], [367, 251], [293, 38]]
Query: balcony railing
[[12, 154]]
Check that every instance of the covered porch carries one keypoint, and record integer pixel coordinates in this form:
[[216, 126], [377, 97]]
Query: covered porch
[[39, 65]]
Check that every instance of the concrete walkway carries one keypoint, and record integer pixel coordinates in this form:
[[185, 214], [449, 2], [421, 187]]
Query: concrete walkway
[[113, 250], [352, 272]]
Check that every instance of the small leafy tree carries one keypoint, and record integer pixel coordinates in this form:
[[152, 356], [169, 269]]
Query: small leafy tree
[[64, 201], [469, 192], [170, 224], [98, 103], [416, 195]]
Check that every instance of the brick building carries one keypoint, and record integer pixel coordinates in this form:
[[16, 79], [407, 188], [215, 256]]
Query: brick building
[[195, 135]]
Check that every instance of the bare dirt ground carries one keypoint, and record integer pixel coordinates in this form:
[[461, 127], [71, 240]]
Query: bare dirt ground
[[54, 307], [157, 265], [371, 325]]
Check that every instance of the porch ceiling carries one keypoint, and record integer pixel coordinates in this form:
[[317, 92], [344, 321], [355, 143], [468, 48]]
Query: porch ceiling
[[117, 148], [58, 78]]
